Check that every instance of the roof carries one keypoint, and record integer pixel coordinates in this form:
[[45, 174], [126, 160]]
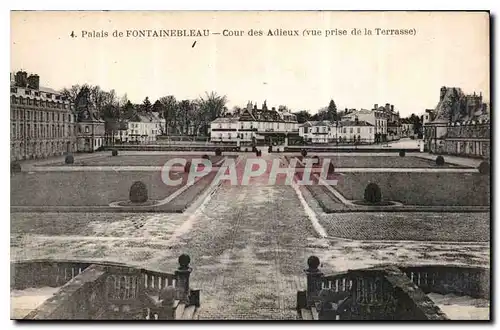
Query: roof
[[226, 120], [149, 117], [354, 123], [48, 90]]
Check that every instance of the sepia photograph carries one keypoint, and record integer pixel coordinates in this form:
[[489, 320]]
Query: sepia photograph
[[250, 165]]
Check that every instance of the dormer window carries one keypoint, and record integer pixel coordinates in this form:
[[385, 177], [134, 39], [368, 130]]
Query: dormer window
[[49, 96], [13, 90], [27, 92]]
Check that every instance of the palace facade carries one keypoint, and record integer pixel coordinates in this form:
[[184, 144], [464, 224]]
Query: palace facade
[[42, 121]]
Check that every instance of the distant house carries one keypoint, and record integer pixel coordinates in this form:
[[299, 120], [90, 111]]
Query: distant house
[[316, 131], [224, 129], [355, 131], [255, 125], [140, 128], [349, 131]]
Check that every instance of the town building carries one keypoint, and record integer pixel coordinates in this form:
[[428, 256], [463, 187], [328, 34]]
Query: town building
[[143, 129], [42, 121], [255, 126], [226, 130], [377, 117], [316, 131], [344, 131], [354, 131], [460, 125]]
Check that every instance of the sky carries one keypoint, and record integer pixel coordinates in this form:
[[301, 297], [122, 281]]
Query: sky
[[301, 72]]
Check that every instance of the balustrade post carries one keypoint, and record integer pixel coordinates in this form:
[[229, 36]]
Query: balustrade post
[[166, 308], [182, 279], [314, 279]]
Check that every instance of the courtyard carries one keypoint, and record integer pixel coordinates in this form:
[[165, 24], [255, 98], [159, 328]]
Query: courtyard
[[249, 244]]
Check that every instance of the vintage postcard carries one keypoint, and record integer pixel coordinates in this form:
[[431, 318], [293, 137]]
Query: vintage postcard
[[250, 165]]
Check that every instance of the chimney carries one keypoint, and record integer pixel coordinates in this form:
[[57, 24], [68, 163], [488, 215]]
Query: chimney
[[356, 120], [21, 79], [392, 107], [387, 107], [273, 108], [375, 106], [34, 81]]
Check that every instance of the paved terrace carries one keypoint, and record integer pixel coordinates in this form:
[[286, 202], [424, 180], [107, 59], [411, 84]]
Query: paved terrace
[[248, 246]]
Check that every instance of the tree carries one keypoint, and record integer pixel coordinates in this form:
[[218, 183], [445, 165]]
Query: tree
[[170, 113], [212, 105], [146, 105], [158, 107], [71, 93], [236, 110], [332, 111], [129, 112], [302, 116]]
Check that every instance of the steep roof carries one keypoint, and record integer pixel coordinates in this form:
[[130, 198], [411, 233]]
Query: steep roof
[[354, 123], [226, 120]]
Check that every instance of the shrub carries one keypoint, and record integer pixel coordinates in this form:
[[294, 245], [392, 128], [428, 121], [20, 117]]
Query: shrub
[[114, 152], [138, 192], [484, 167], [439, 160], [402, 153], [15, 167], [303, 152], [254, 149], [258, 153], [187, 167], [218, 152], [372, 193], [270, 149], [205, 157], [246, 149], [69, 159]]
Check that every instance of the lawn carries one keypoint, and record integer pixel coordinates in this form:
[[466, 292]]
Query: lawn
[[90, 188], [423, 226], [451, 189], [381, 162], [139, 160]]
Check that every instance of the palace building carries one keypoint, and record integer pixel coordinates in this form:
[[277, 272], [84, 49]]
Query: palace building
[[42, 121]]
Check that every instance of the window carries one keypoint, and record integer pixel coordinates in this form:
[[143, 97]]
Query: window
[[345, 130], [37, 93], [351, 130], [86, 129], [359, 130], [371, 130], [13, 90], [13, 133], [53, 116], [27, 92]]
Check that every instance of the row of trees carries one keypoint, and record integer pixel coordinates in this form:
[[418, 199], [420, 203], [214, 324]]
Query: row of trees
[[183, 117]]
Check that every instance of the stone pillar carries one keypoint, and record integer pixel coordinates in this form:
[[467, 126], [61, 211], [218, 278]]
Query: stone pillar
[[182, 278], [166, 308], [314, 277]]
